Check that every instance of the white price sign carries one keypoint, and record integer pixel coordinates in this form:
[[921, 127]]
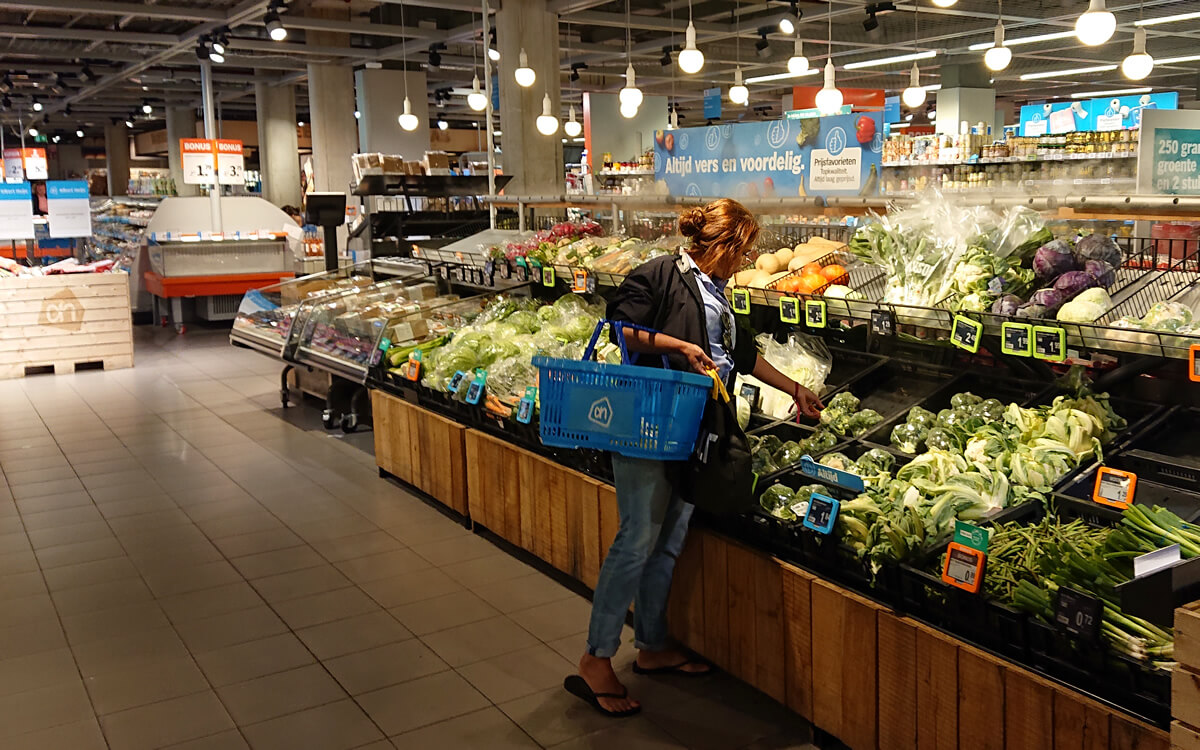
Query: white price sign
[[16, 211], [199, 161], [69, 213], [231, 165]]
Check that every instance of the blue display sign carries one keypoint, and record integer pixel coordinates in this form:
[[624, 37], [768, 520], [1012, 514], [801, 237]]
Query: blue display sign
[[830, 475], [1176, 161], [891, 109], [1104, 114], [67, 189], [828, 156], [712, 103]]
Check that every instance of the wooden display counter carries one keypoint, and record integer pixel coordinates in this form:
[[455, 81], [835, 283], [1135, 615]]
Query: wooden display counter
[[856, 669], [421, 448], [57, 323]]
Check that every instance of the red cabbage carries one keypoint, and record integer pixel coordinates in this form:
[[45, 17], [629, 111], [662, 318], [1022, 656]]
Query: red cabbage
[[1098, 247], [1050, 298], [1072, 283], [1006, 305], [1053, 259], [1030, 310], [1101, 271]]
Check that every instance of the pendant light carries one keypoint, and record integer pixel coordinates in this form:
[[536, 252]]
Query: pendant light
[[1139, 63], [631, 95], [944, 3], [524, 74], [738, 93], [829, 99], [673, 120], [572, 127], [691, 60], [914, 95], [547, 123], [797, 64], [998, 56], [1097, 25], [408, 121], [476, 100]]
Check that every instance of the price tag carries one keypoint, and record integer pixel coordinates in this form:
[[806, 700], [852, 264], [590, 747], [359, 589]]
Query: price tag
[[883, 322], [1194, 363], [1016, 339], [963, 567], [489, 268], [412, 368], [384, 344], [505, 271], [525, 409], [548, 276], [751, 394], [535, 274], [477, 276], [1114, 487], [814, 313], [456, 381], [822, 513], [1078, 613], [741, 301], [789, 309], [475, 392], [522, 273], [966, 333], [1050, 343], [579, 281], [444, 272]]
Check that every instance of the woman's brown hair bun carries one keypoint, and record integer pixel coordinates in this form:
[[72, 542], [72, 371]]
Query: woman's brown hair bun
[[691, 222]]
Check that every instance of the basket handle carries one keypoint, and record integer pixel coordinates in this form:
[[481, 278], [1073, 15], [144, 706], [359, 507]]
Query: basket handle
[[618, 328]]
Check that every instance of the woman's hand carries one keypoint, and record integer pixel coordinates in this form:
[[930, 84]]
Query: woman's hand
[[696, 357], [807, 402]]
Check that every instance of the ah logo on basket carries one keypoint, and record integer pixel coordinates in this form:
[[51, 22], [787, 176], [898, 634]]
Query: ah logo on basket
[[601, 412]]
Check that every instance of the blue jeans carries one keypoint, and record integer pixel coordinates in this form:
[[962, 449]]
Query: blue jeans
[[641, 560]]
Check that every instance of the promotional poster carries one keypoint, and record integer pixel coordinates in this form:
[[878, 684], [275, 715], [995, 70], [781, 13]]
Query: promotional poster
[[827, 156], [1103, 114]]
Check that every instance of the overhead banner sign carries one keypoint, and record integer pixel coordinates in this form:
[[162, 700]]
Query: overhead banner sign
[[16, 211], [25, 164], [231, 164], [68, 210], [826, 156], [1097, 115]]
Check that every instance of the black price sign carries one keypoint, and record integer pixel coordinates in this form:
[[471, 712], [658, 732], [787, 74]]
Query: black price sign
[[966, 333], [535, 273], [1016, 339], [444, 272], [789, 309], [883, 323], [741, 301], [814, 313], [522, 274], [751, 394], [1077, 613], [505, 271], [1050, 343]]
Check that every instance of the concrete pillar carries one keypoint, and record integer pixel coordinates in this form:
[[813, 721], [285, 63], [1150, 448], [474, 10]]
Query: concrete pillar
[[964, 104], [380, 102], [331, 108], [116, 151], [181, 123], [278, 159], [534, 160]]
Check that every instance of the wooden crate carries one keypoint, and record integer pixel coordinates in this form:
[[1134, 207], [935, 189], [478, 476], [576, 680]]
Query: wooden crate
[[1184, 737], [61, 322], [844, 665], [1185, 695], [421, 448], [1187, 636]]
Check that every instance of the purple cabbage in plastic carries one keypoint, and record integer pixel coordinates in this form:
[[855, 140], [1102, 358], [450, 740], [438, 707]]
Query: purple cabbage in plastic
[[1101, 271], [1072, 283], [1098, 247], [1050, 298], [1007, 305], [1030, 310], [1053, 259]]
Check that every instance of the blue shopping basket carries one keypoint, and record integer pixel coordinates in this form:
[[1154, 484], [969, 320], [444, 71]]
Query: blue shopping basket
[[642, 412]]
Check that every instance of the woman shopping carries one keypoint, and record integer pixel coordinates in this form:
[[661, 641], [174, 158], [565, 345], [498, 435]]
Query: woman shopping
[[682, 298]]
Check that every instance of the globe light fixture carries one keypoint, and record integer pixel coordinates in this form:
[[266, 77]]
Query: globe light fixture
[[829, 99], [914, 95], [998, 56], [33, 132], [631, 95], [476, 100], [798, 64], [628, 112], [547, 123], [691, 60], [944, 3], [572, 127], [524, 74], [738, 93], [1139, 63], [407, 119], [1097, 25]]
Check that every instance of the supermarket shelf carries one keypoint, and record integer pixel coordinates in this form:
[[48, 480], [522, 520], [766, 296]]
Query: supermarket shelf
[[626, 173], [1006, 160]]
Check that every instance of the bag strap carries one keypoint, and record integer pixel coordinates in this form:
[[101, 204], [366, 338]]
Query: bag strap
[[718, 391], [618, 329]]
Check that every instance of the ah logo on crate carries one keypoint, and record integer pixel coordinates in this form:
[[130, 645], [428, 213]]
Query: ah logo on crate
[[601, 412], [62, 310]]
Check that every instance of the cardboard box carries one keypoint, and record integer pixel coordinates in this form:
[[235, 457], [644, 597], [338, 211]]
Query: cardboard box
[[413, 168], [437, 160]]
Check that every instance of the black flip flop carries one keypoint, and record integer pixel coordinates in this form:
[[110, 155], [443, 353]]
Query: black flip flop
[[576, 685], [677, 669]]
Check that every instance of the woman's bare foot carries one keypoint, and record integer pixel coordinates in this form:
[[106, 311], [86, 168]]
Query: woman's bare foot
[[672, 657], [600, 677]]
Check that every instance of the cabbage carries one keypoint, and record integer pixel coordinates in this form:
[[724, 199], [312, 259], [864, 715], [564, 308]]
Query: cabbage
[[580, 328], [1049, 298], [840, 291], [845, 400], [1029, 310], [922, 418], [1098, 247], [861, 422], [1081, 310], [524, 321], [876, 461], [1168, 316], [1072, 283], [940, 439], [777, 500], [1053, 259], [975, 302], [907, 437], [965, 398], [1006, 305], [1101, 271]]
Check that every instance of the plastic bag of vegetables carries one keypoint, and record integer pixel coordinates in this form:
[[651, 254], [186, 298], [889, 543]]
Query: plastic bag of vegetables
[[802, 358]]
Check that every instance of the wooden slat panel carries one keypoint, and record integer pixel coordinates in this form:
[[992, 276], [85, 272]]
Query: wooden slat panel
[[115, 322], [1028, 711], [116, 312], [1129, 734], [505, 513], [937, 690], [1187, 636], [716, 600], [563, 493], [529, 466], [685, 611], [1079, 724], [740, 572], [1184, 737], [476, 445], [456, 451], [1185, 696], [62, 351], [797, 610], [828, 630], [610, 520], [770, 651], [980, 700], [860, 719], [588, 554], [897, 681]]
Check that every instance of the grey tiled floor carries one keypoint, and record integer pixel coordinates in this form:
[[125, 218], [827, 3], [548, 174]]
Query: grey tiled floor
[[183, 564]]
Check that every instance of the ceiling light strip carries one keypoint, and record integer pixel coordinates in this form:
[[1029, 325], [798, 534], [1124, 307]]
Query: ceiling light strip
[[1166, 19], [1024, 40], [1170, 60], [781, 76], [1112, 92], [1069, 72], [889, 60]]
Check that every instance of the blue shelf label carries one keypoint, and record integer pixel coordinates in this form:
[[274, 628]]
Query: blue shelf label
[[830, 475]]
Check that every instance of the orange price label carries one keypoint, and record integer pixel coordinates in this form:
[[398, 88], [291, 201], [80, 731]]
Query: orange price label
[[1114, 487], [963, 567]]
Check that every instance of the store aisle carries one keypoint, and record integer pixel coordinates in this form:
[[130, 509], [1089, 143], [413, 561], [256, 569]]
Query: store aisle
[[184, 564]]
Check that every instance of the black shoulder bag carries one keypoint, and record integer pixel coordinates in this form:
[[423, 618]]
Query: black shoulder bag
[[719, 478]]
